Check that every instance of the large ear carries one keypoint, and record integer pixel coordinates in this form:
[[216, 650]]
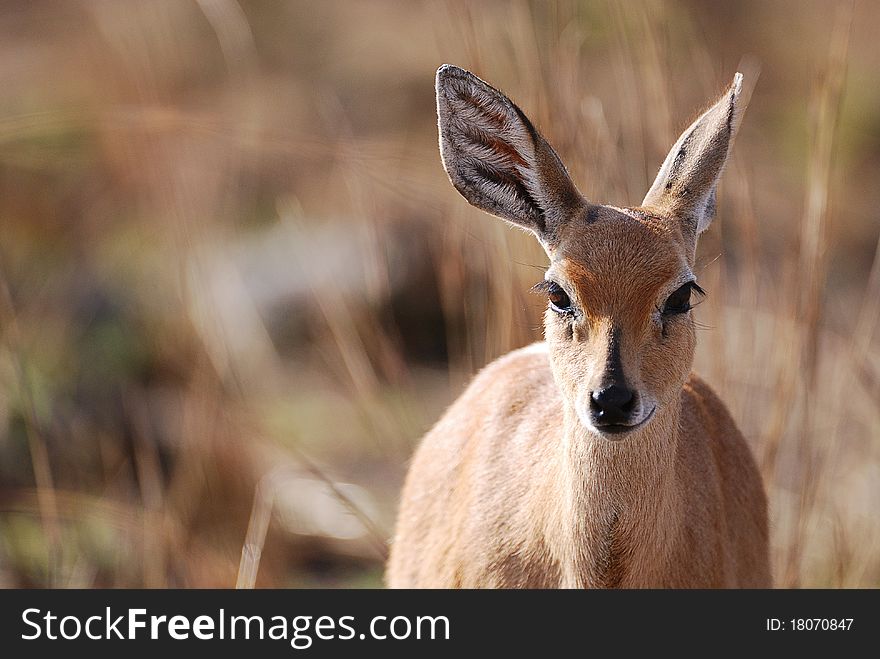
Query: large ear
[[497, 160], [685, 186]]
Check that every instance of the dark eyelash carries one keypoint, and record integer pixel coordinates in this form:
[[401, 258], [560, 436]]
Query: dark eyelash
[[542, 287], [694, 287], [699, 291]]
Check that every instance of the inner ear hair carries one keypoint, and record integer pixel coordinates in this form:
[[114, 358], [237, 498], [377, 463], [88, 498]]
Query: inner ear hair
[[498, 161], [685, 187]]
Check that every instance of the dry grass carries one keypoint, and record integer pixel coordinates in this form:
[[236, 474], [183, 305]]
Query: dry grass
[[236, 287]]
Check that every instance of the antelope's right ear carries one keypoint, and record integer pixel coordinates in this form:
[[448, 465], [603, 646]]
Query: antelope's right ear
[[685, 185], [497, 160]]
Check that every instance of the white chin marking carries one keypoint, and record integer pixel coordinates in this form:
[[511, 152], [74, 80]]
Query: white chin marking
[[584, 416]]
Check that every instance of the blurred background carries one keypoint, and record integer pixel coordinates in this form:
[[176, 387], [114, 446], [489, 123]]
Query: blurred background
[[236, 286]]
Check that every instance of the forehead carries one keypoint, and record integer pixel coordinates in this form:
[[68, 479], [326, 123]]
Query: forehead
[[611, 252]]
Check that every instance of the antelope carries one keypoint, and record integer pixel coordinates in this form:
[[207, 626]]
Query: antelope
[[594, 459]]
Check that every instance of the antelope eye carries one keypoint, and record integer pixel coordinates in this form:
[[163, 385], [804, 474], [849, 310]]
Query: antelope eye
[[680, 301], [559, 300]]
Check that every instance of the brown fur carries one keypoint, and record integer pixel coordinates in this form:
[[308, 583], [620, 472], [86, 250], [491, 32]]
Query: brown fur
[[513, 488]]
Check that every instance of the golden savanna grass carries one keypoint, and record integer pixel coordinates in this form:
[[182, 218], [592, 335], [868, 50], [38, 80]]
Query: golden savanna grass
[[236, 286]]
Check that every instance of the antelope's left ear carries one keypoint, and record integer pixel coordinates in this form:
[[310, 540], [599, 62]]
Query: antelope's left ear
[[685, 186]]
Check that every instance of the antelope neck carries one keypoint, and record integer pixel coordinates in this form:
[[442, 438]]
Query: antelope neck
[[611, 497]]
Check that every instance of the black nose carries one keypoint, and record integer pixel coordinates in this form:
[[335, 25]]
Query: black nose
[[612, 405]]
